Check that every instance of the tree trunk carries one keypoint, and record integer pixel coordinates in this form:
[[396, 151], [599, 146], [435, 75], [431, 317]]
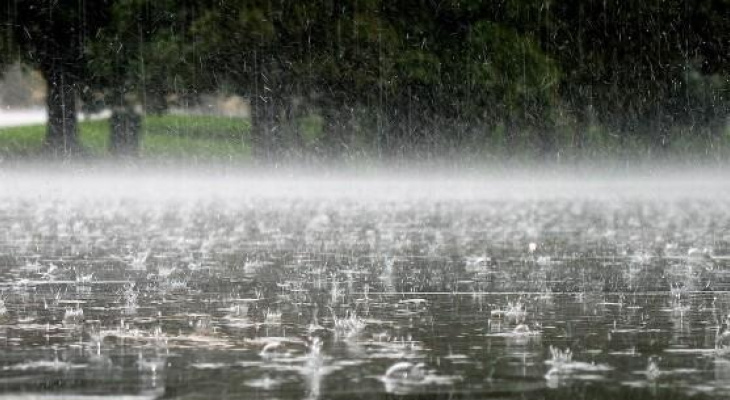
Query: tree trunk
[[511, 130], [337, 126], [264, 129], [125, 125], [61, 135], [546, 137]]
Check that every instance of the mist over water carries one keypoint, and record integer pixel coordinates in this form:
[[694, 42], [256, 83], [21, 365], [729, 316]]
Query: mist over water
[[415, 181], [212, 283]]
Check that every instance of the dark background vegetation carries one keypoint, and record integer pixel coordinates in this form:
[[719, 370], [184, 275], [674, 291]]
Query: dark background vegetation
[[332, 79]]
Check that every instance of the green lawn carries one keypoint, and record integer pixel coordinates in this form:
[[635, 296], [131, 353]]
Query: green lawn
[[167, 136]]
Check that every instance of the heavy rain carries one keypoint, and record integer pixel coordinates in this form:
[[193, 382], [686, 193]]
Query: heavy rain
[[368, 199]]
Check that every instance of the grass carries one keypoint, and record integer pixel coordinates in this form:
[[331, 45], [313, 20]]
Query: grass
[[211, 138], [166, 136]]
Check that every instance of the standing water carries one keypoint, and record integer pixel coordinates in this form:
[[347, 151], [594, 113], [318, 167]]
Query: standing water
[[234, 287]]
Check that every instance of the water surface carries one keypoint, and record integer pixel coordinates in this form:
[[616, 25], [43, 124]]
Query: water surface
[[234, 287]]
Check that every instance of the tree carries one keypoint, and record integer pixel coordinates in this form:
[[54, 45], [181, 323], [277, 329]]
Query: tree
[[51, 35], [238, 43], [640, 68], [137, 60]]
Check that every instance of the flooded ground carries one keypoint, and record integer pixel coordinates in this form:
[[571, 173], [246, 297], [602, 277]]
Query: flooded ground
[[200, 288]]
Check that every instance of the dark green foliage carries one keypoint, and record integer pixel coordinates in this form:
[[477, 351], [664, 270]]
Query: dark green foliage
[[139, 59], [455, 73], [52, 36], [550, 77]]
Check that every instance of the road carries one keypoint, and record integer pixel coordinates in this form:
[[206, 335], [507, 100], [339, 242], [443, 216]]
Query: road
[[35, 116]]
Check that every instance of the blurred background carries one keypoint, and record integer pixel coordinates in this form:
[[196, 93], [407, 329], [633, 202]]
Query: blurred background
[[560, 81]]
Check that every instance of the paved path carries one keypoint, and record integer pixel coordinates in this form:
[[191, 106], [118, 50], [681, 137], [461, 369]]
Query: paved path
[[22, 117], [36, 116]]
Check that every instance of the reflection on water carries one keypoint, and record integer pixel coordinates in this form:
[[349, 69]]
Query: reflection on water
[[322, 296]]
